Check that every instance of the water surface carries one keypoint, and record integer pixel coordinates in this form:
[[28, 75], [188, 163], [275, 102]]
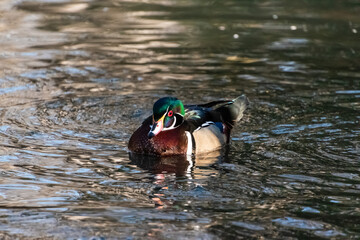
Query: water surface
[[78, 77]]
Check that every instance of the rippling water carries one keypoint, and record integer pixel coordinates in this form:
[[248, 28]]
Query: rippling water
[[78, 77]]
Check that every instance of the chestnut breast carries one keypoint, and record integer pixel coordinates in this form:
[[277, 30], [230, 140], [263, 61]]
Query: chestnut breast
[[171, 142]]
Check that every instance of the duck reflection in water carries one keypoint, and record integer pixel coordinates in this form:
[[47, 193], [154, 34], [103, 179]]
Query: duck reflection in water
[[178, 172]]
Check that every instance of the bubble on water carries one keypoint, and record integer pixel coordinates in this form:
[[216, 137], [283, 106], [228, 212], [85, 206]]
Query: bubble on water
[[236, 36], [293, 27], [275, 16]]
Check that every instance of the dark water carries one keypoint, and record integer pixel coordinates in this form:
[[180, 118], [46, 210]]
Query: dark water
[[78, 77]]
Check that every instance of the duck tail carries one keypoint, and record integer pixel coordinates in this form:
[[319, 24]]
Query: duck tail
[[233, 111]]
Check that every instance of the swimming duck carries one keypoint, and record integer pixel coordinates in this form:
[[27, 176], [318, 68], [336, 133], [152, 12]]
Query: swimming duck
[[175, 129]]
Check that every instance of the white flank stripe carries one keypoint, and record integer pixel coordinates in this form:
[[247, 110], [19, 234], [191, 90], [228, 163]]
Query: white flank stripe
[[189, 145], [205, 124], [194, 130]]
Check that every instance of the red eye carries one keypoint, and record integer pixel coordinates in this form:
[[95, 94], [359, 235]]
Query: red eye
[[170, 113]]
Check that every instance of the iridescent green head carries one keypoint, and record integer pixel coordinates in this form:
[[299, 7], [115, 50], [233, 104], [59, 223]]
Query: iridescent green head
[[168, 113]]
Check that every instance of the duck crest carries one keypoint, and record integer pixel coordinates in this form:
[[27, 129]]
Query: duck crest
[[165, 104], [176, 129]]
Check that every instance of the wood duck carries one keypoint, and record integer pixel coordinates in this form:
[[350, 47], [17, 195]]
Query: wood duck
[[175, 129]]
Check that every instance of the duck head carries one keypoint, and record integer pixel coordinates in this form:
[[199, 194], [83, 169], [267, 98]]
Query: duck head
[[168, 113]]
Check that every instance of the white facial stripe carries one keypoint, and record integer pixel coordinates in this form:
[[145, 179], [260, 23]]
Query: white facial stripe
[[167, 110], [172, 126]]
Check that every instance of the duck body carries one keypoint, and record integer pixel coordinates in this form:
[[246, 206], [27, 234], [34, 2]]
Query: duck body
[[175, 129]]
